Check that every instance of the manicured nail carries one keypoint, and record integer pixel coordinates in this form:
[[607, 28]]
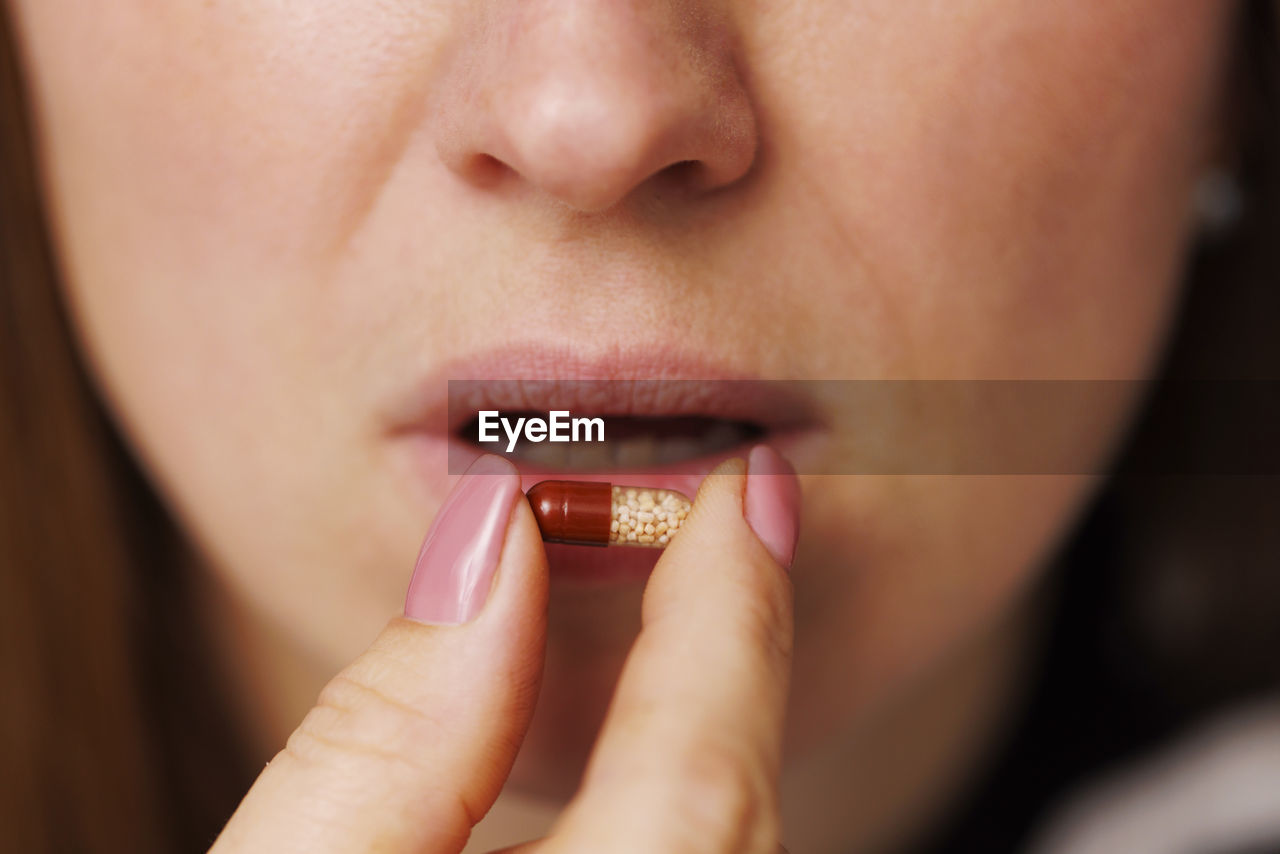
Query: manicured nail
[[460, 554], [772, 503]]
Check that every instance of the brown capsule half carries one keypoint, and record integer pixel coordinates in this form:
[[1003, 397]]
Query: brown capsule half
[[572, 511], [599, 514]]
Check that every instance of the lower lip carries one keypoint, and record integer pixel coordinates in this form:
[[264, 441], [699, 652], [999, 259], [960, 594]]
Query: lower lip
[[590, 565]]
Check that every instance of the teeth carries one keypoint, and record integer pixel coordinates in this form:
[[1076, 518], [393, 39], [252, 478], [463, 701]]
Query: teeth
[[679, 450], [588, 456], [546, 454], [723, 434], [636, 452]]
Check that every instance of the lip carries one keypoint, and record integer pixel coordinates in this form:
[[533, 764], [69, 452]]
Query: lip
[[622, 382]]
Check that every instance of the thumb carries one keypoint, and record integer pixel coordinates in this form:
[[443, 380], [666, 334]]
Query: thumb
[[690, 752], [407, 748]]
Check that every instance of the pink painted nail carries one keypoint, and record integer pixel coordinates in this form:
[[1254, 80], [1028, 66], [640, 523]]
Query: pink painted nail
[[460, 554], [772, 504]]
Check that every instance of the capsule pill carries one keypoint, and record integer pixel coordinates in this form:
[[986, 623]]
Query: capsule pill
[[600, 514]]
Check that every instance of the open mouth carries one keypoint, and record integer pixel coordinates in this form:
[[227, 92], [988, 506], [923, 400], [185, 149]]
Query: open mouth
[[672, 427], [662, 433]]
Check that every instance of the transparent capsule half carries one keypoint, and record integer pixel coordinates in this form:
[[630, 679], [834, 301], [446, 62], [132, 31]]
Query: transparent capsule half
[[602, 514]]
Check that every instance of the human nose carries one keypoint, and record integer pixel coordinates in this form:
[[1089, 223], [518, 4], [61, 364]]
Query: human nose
[[588, 100]]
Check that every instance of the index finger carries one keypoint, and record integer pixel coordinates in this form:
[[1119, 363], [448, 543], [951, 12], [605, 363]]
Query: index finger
[[689, 755]]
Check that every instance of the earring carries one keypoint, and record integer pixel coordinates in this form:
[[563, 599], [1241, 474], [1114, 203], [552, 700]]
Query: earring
[[1217, 201]]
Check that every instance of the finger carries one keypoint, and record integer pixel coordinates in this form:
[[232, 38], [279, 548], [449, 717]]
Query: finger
[[689, 754], [408, 747]]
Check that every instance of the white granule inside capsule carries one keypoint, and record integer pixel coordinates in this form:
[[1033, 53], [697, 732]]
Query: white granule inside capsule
[[646, 517]]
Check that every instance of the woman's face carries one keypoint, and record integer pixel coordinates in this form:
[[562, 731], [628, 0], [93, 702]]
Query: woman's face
[[281, 222]]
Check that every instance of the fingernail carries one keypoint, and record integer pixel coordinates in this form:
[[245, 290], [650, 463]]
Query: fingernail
[[459, 556], [772, 503]]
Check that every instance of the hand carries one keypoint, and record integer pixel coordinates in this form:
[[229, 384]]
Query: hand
[[409, 746]]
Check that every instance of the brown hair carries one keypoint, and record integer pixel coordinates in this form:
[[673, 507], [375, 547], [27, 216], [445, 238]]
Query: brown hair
[[113, 737]]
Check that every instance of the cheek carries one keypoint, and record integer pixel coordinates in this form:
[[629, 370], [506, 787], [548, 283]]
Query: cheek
[[1008, 186], [1010, 194], [206, 163], [215, 161], [250, 136]]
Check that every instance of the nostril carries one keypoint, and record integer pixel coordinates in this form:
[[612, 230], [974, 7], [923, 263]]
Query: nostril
[[688, 175], [681, 174], [683, 170], [485, 169]]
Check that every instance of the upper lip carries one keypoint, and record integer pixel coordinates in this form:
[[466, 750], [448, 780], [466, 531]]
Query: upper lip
[[619, 383]]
